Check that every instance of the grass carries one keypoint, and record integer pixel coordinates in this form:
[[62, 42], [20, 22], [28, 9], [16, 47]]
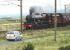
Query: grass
[[41, 39], [44, 40], [16, 46], [9, 26]]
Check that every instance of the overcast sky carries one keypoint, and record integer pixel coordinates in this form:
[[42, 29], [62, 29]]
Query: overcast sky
[[7, 8]]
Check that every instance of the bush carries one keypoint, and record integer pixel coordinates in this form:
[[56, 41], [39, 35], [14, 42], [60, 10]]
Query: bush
[[28, 47], [65, 48]]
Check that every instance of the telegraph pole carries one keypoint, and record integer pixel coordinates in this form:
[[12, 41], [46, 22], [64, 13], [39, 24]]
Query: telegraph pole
[[21, 15], [55, 20], [65, 9]]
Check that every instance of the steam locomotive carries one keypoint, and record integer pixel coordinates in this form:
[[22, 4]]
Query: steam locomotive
[[38, 19], [45, 21]]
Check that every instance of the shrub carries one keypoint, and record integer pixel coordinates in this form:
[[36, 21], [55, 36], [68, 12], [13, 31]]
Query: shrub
[[65, 48], [29, 46]]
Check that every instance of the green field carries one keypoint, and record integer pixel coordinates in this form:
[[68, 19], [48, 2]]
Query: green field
[[9, 26], [42, 39]]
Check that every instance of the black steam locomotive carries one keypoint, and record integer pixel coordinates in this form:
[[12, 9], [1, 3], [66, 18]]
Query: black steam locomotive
[[39, 19]]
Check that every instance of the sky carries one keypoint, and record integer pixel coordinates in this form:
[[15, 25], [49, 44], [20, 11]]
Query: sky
[[10, 7]]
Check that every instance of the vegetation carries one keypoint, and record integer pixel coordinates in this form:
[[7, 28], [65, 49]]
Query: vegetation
[[28, 47], [65, 48], [42, 39]]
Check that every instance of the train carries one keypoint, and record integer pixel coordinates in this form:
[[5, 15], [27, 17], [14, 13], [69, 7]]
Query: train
[[45, 20]]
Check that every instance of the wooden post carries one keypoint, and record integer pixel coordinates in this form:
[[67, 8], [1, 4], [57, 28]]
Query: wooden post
[[55, 20], [21, 15]]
